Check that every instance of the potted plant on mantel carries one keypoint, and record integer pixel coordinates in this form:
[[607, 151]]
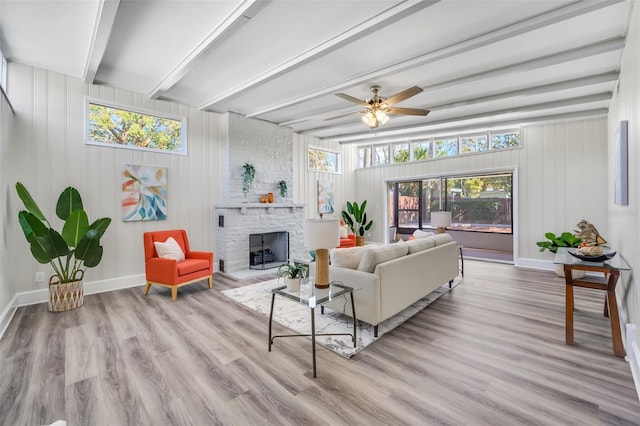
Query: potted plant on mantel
[[292, 273], [553, 242], [248, 174], [356, 219], [71, 252]]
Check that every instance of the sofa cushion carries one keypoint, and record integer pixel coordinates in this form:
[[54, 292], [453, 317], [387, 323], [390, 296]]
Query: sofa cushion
[[442, 239], [419, 233], [381, 253], [421, 244], [347, 257]]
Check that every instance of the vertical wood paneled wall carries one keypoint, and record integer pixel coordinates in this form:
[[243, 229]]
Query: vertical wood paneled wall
[[624, 222], [561, 174], [6, 216], [49, 154]]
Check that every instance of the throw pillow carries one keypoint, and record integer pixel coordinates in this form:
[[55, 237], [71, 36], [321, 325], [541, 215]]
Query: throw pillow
[[419, 233], [421, 244], [347, 257], [381, 253], [170, 249], [442, 239], [344, 231]]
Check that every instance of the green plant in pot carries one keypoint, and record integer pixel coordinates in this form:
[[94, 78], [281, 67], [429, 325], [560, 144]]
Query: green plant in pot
[[248, 174], [292, 273], [69, 252], [554, 242], [356, 219], [282, 185]]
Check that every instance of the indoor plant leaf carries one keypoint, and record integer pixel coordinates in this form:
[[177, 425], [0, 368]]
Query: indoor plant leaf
[[31, 225], [29, 202], [76, 225], [68, 201]]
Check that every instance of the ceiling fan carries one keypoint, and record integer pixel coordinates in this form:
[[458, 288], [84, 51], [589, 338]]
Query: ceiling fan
[[378, 107]]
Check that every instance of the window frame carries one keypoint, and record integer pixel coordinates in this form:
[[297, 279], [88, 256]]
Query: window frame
[[110, 104]]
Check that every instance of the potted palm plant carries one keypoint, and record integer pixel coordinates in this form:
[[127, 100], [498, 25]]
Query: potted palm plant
[[356, 219], [69, 252], [292, 273]]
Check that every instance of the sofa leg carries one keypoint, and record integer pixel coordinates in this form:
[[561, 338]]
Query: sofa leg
[[321, 310], [210, 279], [147, 288], [450, 282], [174, 293], [375, 331]]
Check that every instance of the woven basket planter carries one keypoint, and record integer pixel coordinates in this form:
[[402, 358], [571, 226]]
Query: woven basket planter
[[65, 296]]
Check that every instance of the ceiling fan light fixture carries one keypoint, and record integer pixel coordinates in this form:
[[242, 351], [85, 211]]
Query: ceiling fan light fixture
[[370, 120], [381, 116]]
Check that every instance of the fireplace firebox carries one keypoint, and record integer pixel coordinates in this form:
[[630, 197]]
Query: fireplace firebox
[[268, 250]]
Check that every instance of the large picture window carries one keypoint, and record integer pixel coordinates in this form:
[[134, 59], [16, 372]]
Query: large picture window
[[111, 125], [477, 203]]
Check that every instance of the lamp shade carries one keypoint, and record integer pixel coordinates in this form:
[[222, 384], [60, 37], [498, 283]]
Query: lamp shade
[[441, 219], [321, 233]]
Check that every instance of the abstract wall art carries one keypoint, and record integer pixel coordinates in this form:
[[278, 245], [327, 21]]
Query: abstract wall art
[[325, 196], [144, 193]]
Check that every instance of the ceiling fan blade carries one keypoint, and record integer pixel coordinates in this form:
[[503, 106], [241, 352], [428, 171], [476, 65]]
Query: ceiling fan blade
[[352, 99], [344, 115], [407, 111], [405, 94]]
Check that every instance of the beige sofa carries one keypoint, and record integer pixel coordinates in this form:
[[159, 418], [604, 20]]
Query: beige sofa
[[391, 277]]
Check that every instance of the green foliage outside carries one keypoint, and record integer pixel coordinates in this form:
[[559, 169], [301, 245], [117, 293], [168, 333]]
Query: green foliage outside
[[118, 126], [324, 161]]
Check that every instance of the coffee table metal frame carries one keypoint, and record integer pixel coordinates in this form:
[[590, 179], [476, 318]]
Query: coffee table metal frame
[[317, 297]]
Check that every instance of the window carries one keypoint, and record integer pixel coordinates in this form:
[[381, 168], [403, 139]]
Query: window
[[475, 143], [430, 148], [110, 125], [505, 140], [400, 152], [422, 150], [476, 203], [3, 71], [446, 147], [322, 160]]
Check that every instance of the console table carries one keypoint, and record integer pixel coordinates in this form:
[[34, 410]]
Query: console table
[[611, 272]]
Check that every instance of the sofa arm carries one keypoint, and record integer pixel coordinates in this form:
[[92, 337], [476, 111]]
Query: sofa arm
[[366, 294], [161, 270]]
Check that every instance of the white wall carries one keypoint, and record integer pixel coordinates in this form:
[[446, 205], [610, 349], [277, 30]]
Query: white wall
[[7, 218], [561, 173], [48, 153], [624, 227]]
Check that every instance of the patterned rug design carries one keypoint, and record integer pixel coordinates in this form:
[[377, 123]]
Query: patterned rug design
[[297, 317]]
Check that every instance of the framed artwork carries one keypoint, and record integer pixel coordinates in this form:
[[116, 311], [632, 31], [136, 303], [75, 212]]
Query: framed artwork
[[144, 193], [621, 164], [325, 196]]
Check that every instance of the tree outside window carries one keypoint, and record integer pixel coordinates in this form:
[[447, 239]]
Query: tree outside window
[[446, 147]]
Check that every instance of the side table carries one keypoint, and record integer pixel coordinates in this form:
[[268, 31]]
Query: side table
[[312, 297], [611, 272]]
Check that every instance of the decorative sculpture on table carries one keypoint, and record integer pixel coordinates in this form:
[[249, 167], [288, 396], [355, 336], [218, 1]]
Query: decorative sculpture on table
[[588, 234]]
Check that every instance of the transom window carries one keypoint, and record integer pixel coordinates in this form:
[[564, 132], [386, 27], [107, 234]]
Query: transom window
[[111, 125], [437, 147], [323, 160]]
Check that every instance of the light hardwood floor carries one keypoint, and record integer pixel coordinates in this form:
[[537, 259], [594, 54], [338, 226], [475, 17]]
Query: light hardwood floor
[[489, 352]]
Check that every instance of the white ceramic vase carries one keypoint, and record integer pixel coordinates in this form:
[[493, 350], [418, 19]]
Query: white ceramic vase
[[576, 274], [293, 284]]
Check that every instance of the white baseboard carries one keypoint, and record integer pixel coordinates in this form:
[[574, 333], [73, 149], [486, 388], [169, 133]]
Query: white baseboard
[[26, 298], [539, 265], [633, 355]]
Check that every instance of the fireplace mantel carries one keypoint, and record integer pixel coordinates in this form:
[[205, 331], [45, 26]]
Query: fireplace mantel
[[268, 206]]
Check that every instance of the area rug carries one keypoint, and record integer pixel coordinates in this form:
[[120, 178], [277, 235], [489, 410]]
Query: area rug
[[297, 317]]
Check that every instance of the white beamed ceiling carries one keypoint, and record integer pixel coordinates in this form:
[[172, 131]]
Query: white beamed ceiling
[[480, 63]]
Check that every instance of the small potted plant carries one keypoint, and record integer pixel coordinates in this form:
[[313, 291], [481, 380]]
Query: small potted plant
[[282, 185], [292, 273], [356, 219], [248, 174], [554, 242], [69, 252]]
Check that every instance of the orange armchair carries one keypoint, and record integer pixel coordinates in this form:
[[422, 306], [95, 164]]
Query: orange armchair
[[350, 241], [170, 273]]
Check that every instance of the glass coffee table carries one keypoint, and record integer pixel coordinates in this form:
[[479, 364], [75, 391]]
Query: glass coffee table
[[312, 297]]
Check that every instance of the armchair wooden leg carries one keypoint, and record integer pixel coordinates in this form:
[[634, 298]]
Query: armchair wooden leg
[[174, 293], [147, 288], [210, 279]]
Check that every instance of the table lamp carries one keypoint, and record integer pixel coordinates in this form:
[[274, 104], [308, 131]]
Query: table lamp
[[441, 220], [322, 235]]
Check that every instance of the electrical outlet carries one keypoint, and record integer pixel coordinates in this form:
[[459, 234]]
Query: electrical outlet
[[39, 277]]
